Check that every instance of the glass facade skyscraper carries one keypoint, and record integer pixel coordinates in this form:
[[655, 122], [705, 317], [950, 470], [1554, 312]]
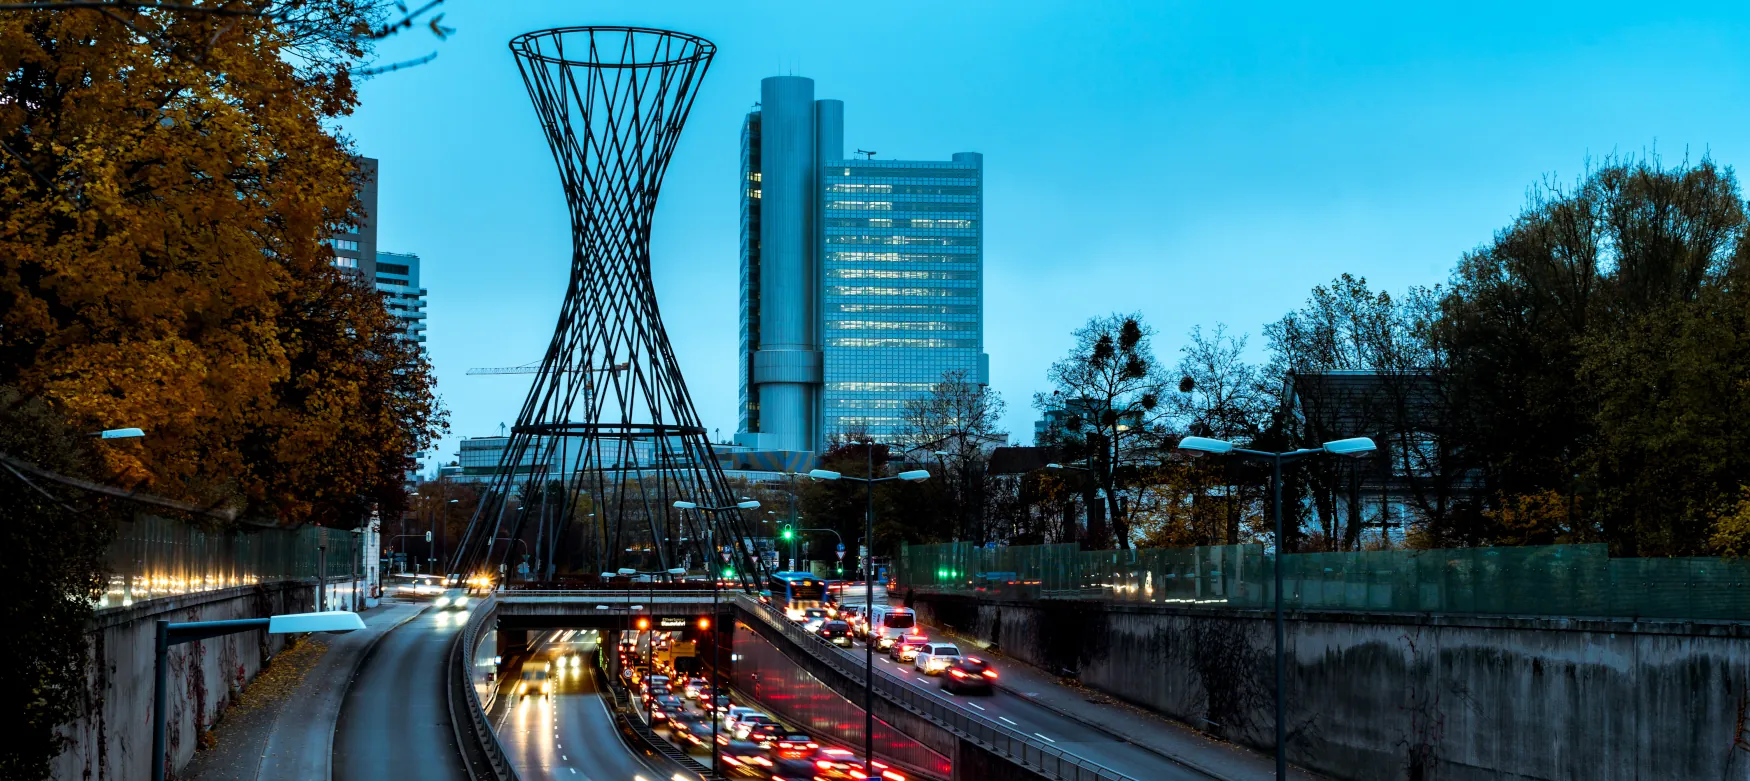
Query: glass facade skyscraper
[[862, 279]]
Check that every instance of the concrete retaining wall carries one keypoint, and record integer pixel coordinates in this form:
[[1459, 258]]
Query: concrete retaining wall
[[112, 740], [1376, 696]]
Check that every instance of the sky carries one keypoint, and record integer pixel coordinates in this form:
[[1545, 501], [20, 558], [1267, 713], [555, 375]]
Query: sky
[[1198, 163]]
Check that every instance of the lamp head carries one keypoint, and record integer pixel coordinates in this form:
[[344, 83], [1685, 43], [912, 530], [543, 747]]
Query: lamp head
[[335, 621], [685, 506], [1200, 445], [1054, 466], [823, 474], [1353, 447], [914, 475], [121, 433], [748, 505]]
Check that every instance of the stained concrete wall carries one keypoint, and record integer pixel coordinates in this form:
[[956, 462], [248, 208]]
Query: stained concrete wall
[[1389, 696], [112, 740]]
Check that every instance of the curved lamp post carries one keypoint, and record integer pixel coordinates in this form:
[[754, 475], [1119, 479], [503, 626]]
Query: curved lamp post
[[1354, 447], [170, 634], [869, 584]]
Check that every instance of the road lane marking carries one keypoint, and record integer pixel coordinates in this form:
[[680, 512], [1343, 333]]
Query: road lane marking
[[1009, 720], [1048, 740], [974, 705]]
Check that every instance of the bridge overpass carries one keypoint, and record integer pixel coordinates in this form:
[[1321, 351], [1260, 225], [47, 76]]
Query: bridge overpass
[[980, 743]]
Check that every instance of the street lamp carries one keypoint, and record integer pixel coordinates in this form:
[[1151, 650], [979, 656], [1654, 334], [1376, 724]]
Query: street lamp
[[1354, 447], [170, 634], [716, 657], [869, 586], [119, 433]]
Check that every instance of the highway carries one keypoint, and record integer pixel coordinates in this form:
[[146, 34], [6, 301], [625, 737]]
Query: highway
[[1029, 718], [395, 721], [570, 736]]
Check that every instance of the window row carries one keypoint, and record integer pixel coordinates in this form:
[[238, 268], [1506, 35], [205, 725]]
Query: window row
[[902, 222], [842, 256], [874, 273], [921, 292], [895, 325], [969, 205], [865, 341], [905, 309], [881, 387], [930, 241], [346, 244], [866, 404]]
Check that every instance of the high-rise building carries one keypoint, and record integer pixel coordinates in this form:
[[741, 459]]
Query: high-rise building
[[861, 279], [397, 278], [355, 247]]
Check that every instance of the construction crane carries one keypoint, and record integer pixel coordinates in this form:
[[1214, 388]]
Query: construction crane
[[535, 366], [869, 155]]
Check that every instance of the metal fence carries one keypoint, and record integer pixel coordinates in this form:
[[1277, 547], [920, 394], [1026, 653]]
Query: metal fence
[[1548, 580], [156, 557]]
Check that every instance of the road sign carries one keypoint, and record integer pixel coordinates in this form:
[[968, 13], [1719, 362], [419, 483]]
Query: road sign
[[841, 551]]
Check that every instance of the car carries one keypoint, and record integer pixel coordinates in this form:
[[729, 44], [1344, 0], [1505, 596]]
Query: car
[[814, 617], [692, 728], [749, 722], [722, 705], [969, 674], [655, 685], [933, 658], [837, 633], [743, 759], [694, 686], [792, 769], [794, 745], [453, 599], [534, 679], [837, 764], [734, 714], [664, 706], [905, 648]]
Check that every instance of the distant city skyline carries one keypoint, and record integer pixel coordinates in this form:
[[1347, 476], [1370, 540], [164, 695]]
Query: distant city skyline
[[1195, 164]]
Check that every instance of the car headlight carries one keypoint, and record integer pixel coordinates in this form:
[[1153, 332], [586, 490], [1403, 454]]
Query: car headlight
[[461, 601], [442, 601]]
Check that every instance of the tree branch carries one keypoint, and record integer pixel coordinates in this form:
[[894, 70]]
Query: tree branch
[[224, 514]]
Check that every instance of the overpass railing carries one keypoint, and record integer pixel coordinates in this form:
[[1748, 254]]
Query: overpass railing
[[476, 729], [1545, 580], [993, 736]]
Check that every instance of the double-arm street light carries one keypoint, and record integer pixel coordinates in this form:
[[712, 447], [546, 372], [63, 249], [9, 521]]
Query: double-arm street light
[[170, 634], [710, 569], [1356, 447], [869, 586]]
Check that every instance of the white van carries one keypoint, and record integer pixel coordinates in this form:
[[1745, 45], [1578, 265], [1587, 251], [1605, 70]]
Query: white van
[[887, 623]]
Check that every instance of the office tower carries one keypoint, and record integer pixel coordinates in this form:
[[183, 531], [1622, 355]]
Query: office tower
[[355, 247], [861, 279], [398, 280]]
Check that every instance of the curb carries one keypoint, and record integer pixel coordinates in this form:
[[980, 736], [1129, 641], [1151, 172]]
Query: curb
[[353, 674]]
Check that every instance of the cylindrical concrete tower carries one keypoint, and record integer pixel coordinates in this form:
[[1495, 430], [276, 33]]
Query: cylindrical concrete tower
[[787, 367]]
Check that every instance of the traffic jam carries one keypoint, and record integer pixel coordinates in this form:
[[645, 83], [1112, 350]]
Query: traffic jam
[[679, 704]]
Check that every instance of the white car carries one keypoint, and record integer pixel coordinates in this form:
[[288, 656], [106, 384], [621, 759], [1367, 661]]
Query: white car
[[453, 598], [933, 658], [733, 715]]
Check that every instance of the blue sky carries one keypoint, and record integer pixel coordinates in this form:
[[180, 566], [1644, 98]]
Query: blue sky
[[1200, 163]]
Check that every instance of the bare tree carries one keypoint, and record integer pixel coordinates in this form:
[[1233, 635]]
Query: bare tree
[[955, 426], [1107, 411], [1219, 395]]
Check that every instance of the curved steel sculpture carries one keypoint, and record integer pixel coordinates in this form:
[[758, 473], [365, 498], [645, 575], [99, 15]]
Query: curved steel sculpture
[[608, 438]]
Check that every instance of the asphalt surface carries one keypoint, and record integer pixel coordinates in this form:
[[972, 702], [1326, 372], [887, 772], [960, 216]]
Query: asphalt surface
[[395, 721], [1058, 731], [571, 735]]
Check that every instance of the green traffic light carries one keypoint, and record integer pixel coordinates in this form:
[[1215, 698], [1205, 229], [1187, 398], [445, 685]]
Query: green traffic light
[[786, 533]]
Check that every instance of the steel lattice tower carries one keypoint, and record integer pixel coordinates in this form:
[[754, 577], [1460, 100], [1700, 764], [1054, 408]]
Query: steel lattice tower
[[608, 438]]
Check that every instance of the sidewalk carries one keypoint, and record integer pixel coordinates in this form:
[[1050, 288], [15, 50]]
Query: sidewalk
[[283, 726], [1131, 724]]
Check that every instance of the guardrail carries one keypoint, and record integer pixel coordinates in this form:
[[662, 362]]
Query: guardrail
[[462, 685], [1010, 744]]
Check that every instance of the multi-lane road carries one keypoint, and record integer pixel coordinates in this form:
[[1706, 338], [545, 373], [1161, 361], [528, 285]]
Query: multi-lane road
[[571, 735]]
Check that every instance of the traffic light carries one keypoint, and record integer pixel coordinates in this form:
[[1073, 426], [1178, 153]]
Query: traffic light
[[643, 623], [704, 623], [428, 536], [787, 533]]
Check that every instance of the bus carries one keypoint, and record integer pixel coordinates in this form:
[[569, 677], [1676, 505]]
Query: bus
[[794, 592]]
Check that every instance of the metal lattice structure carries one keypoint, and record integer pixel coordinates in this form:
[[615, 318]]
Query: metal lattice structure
[[608, 438]]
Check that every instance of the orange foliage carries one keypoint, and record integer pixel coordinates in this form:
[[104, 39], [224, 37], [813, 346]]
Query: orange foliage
[[167, 189]]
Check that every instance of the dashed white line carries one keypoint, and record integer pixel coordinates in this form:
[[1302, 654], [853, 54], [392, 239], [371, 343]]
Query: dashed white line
[[1048, 740], [974, 705], [1009, 720]]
